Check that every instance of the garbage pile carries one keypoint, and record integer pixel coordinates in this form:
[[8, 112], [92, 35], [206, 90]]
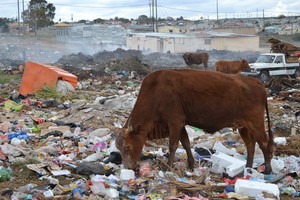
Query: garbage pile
[[64, 148], [291, 51]]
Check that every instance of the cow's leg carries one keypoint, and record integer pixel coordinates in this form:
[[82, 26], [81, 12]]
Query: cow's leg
[[250, 145], [175, 133], [262, 141], [184, 139]]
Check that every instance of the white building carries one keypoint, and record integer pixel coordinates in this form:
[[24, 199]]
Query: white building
[[177, 43]]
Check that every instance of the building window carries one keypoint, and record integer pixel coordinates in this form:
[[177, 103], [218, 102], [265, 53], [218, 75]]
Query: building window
[[207, 41]]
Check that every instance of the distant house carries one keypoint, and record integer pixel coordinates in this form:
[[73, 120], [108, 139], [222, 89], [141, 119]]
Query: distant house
[[102, 35], [177, 43], [62, 29], [236, 27], [273, 29], [251, 30], [173, 29]]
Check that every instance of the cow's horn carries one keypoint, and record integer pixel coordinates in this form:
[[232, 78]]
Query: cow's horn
[[129, 126]]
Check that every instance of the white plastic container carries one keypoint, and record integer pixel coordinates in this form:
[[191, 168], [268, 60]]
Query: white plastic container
[[255, 188], [127, 174], [223, 163], [112, 193], [219, 147]]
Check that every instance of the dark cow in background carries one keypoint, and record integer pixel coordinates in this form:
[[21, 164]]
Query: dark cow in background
[[170, 99], [231, 67], [196, 58]]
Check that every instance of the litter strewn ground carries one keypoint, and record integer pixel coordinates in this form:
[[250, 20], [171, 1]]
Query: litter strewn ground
[[64, 148]]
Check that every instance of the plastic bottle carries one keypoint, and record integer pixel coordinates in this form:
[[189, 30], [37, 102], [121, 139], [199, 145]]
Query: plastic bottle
[[252, 173], [81, 184], [23, 136], [77, 194], [26, 188], [219, 147], [4, 174]]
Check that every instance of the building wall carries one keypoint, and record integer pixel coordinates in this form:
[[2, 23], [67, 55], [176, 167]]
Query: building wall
[[173, 29], [237, 30], [184, 44], [236, 43]]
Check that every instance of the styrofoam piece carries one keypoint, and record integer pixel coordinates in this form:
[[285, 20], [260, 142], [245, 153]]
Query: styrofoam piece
[[219, 147], [255, 188], [223, 163], [127, 174], [112, 193]]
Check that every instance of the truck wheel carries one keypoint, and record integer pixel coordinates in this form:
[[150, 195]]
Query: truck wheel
[[297, 73], [264, 76]]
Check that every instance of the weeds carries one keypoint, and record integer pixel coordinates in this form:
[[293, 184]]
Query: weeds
[[48, 92], [7, 78]]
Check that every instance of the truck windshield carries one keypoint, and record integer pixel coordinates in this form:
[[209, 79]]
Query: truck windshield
[[265, 59]]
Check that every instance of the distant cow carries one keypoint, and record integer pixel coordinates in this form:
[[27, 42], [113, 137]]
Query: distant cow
[[170, 99], [231, 67], [196, 58]]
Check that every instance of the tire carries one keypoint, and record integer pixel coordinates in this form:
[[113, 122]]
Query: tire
[[264, 76], [297, 74]]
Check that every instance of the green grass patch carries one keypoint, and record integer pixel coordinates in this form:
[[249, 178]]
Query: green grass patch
[[7, 78], [48, 92]]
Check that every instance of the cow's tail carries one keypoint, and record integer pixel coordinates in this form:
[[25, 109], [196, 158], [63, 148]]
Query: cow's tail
[[271, 138]]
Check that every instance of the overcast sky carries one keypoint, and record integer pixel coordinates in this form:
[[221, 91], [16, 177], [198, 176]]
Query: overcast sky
[[188, 9]]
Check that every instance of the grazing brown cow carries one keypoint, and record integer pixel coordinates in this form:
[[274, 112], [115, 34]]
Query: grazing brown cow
[[196, 58], [170, 99], [231, 67]]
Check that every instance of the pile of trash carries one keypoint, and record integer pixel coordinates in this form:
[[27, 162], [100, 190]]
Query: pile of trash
[[65, 149], [278, 46]]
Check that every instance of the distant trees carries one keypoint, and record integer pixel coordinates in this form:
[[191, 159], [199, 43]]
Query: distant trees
[[4, 24], [39, 14], [98, 21], [281, 16], [143, 19]]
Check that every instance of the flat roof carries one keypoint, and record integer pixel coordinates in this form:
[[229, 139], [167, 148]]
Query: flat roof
[[209, 34]]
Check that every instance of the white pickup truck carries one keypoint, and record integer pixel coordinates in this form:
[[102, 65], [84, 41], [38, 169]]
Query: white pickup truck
[[272, 64]]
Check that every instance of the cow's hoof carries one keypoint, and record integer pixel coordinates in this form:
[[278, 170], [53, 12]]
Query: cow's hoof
[[268, 170], [191, 165]]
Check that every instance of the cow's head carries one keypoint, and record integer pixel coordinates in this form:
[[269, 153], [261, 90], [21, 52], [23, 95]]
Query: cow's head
[[245, 64], [130, 143], [186, 58]]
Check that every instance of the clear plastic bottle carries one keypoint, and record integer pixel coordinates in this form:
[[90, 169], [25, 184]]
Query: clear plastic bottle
[[26, 188]]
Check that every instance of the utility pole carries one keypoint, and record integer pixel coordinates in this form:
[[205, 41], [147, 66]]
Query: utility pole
[[153, 22], [150, 9], [263, 20], [18, 17], [24, 30], [156, 29], [217, 11]]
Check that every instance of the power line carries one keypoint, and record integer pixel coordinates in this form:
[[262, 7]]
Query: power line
[[93, 6]]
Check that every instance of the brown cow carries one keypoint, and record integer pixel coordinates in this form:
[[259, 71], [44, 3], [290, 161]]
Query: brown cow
[[231, 67], [170, 99], [196, 58]]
